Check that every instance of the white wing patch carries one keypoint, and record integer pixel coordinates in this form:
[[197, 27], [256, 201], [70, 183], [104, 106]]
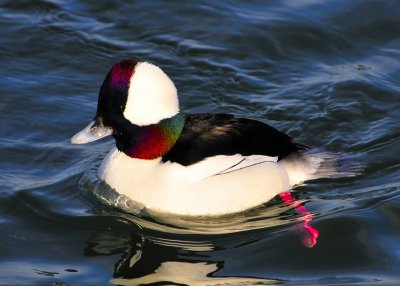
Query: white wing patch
[[221, 164], [248, 161]]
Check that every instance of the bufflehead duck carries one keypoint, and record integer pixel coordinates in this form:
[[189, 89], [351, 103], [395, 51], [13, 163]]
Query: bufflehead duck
[[199, 164]]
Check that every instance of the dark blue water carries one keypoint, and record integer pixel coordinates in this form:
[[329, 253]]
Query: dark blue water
[[325, 72]]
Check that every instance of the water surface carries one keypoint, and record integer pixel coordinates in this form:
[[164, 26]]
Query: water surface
[[325, 72]]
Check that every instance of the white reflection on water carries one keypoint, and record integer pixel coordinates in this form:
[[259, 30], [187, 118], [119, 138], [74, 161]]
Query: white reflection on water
[[186, 273]]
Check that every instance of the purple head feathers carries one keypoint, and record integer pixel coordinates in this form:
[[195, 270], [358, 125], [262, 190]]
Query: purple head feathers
[[114, 91]]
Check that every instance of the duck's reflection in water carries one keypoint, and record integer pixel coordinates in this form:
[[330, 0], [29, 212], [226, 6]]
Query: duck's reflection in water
[[189, 273], [150, 261]]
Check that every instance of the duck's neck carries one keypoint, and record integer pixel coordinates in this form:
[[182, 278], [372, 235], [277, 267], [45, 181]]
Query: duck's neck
[[150, 141]]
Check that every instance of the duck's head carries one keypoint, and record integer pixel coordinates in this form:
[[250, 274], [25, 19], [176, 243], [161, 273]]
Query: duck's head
[[133, 93]]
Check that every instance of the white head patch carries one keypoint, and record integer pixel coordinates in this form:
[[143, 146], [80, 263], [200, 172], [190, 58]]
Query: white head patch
[[152, 96]]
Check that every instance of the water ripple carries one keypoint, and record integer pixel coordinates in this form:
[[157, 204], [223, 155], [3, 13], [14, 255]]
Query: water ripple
[[325, 72]]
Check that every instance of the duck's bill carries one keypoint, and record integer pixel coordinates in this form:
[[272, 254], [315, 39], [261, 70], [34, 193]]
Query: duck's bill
[[94, 131]]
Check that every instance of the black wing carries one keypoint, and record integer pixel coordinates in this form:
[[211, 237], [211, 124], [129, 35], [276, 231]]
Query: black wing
[[206, 135]]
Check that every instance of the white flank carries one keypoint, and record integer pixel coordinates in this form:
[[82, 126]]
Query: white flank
[[204, 188]]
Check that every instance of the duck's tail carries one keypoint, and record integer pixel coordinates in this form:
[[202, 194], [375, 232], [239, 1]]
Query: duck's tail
[[311, 164]]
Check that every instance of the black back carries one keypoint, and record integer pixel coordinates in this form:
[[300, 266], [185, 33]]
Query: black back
[[206, 135]]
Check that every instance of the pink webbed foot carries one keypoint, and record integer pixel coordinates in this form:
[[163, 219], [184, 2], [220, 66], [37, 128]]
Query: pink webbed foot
[[308, 233]]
